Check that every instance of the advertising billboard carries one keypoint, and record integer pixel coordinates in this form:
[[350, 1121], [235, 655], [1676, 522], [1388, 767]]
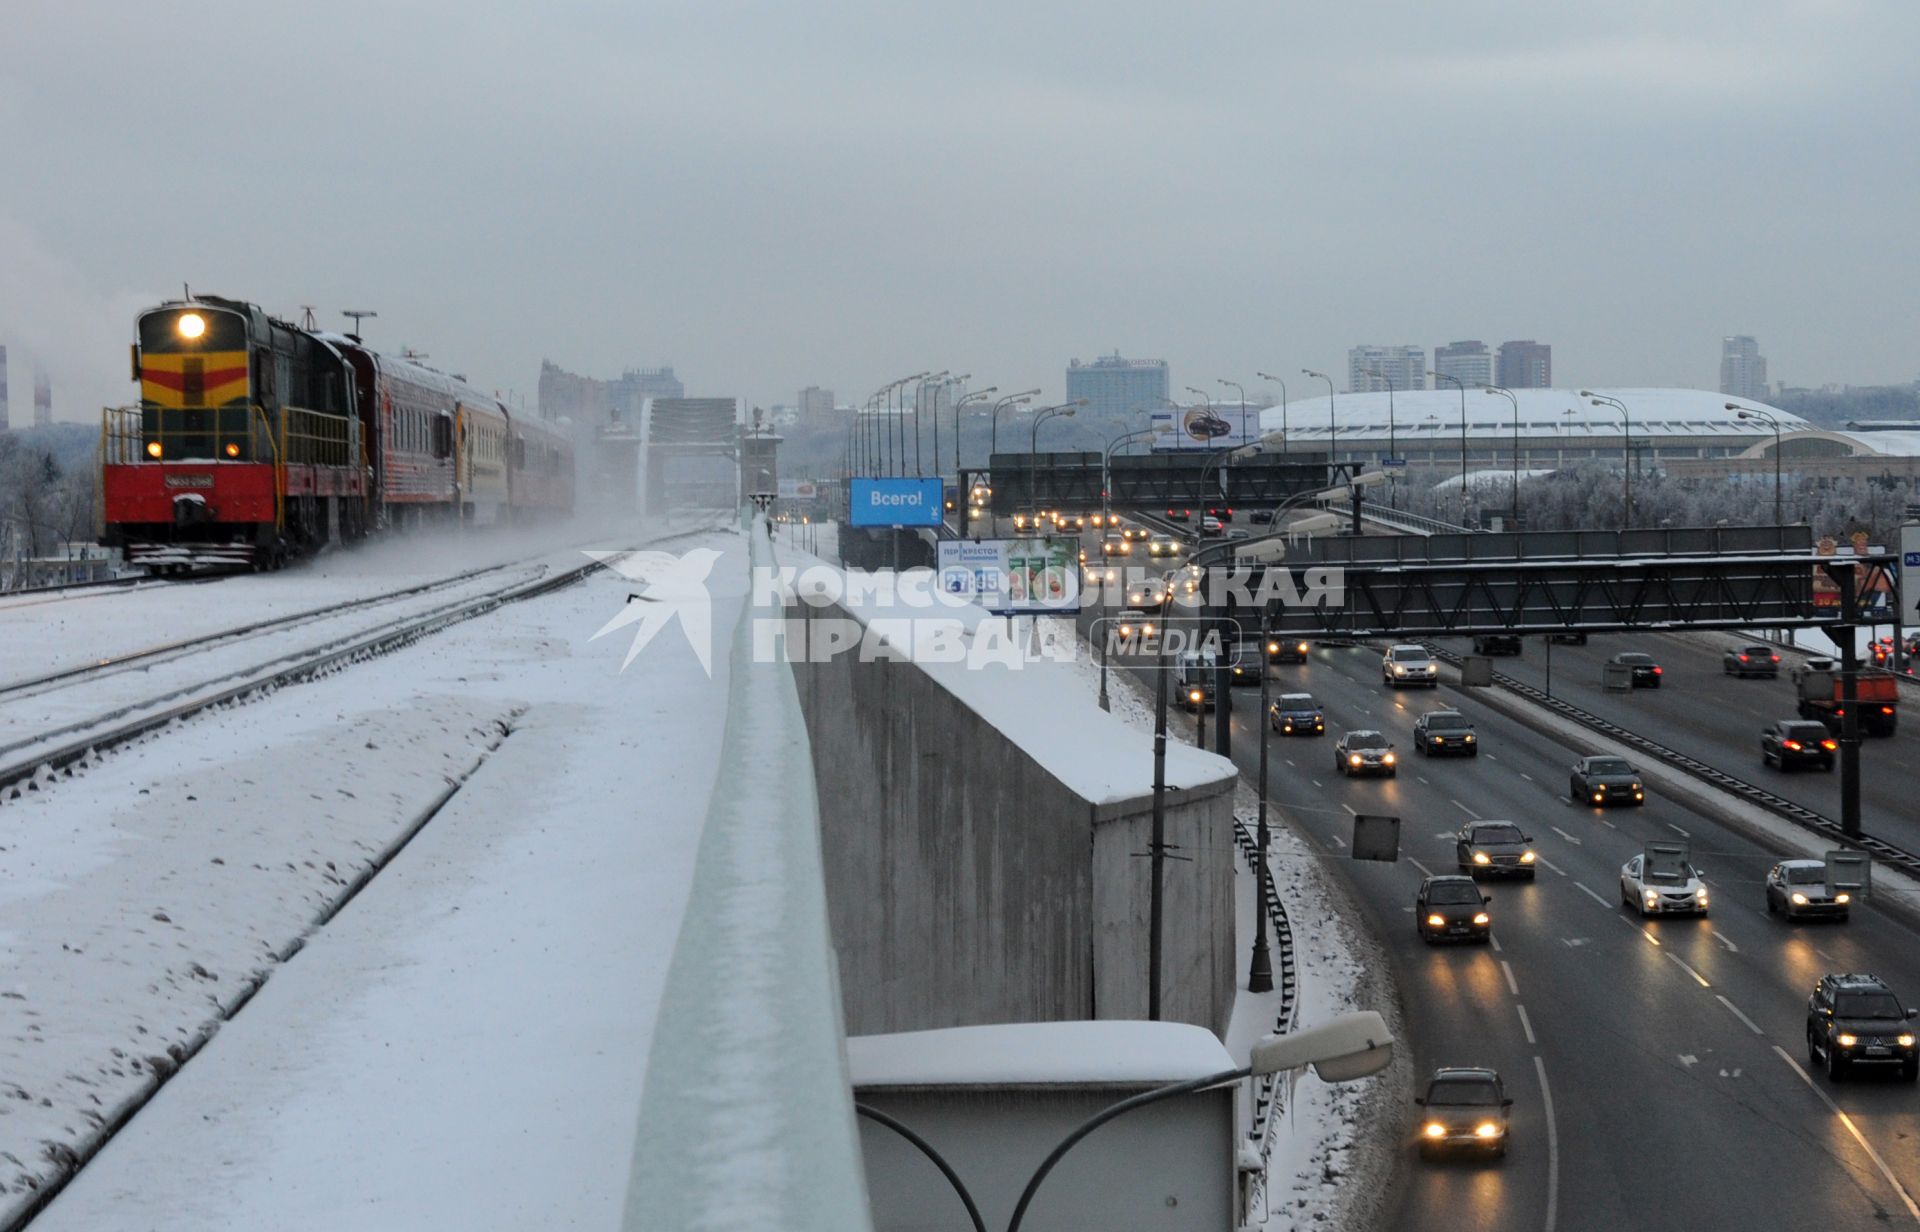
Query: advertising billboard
[[894, 502], [1910, 576], [798, 489], [1014, 576], [1202, 429]]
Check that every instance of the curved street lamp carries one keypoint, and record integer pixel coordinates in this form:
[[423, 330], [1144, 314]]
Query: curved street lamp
[[1741, 412], [1333, 427], [1064, 410], [1285, 445], [1509, 396], [993, 439], [979, 395], [919, 392], [1462, 385], [1626, 451]]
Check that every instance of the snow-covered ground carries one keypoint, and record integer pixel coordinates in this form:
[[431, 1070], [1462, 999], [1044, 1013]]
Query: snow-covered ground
[[464, 1044]]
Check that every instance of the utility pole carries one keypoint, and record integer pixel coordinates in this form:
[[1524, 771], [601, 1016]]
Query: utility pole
[[1157, 842], [1260, 966], [1843, 575]]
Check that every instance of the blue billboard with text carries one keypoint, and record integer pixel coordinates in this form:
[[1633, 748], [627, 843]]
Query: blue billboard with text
[[895, 502]]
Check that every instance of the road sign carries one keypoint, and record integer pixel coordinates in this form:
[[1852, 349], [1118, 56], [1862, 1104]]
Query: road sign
[[1910, 575], [1013, 575], [894, 502], [1393, 464]]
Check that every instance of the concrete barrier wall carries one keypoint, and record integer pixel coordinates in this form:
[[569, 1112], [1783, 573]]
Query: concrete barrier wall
[[966, 883]]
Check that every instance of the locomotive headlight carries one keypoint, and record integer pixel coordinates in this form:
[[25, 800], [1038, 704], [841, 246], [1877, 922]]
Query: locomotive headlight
[[192, 325], [153, 449], [233, 450]]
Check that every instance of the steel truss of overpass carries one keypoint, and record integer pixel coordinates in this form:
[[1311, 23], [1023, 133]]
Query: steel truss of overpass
[[1074, 481], [1729, 577]]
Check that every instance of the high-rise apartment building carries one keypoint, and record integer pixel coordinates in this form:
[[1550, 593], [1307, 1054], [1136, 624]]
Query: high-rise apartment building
[[1116, 387], [5, 422], [1743, 369], [1374, 369], [1525, 364], [42, 397], [1471, 361], [816, 404]]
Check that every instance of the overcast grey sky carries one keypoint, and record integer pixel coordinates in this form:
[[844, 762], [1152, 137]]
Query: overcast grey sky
[[768, 196]]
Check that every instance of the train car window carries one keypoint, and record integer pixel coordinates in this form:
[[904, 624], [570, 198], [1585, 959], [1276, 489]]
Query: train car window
[[442, 436]]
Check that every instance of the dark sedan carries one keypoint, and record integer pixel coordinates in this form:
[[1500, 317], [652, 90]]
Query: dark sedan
[[1466, 1109], [1495, 849], [1364, 752], [1296, 714], [1441, 732], [1451, 908], [1793, 743], [1798, 889], [1758, 661], [1646, 673], [1605, 780], [1287, 650]]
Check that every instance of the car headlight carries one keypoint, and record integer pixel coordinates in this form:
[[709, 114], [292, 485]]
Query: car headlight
[[1434, 1129], [1701, 894], [1353, 759], [1468, 737], [1388, 759], [1843, 898], [1436, 921], [1398, 670], [1904, 1039], [1846, 1040], [1480, 857], [1598, 796], [1652, 897], [1636, 789], [1301, 648], [1194, 696], [1486, 1129], [1799, 899], [1273, 647], [1526, 857], [1480, 917]]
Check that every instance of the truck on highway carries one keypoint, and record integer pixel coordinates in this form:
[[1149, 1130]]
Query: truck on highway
[[1876, 693]]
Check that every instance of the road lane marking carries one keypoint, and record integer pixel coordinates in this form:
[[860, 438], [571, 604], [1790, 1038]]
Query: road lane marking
[[1565, 835], [1678, 830], [1337, 840], [1526, 776], [1540, 859], [1318, 783], [1608, 824], [1642, 930], [1423, 868], [1525, 1025], [1553, 1148], [1512, 987], [1495, 941], [1463, 808], [1491, 757], [1595, 897], [1859, 1137], [1421, 777], [1688, 1060], [1751, 1024], [1698, 978], [1726, 941], [1350, 809]]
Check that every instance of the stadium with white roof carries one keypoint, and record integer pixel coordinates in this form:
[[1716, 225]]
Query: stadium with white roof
[[1440, 435]]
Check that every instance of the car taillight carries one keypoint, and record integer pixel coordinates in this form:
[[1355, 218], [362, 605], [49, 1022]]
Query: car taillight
[[1656, 671], [1886, 710], [1828, 745], [1794, 745], [1776, 658], [1743, 658]]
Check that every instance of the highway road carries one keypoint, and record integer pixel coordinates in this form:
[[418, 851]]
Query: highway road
[[1702, 712], [1659, 1068]]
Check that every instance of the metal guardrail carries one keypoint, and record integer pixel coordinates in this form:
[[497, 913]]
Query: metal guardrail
[[1779, 805], [747, 1114], [1389, 516]]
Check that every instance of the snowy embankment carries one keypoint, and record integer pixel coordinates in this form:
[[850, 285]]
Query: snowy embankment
[[463, 1044]]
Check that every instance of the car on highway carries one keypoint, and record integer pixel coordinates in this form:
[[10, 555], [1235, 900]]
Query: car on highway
[[1604, 780], [1445, 732], [1237, 533], [1645, 672], [1114, 545], [1495, 849], [1296, 714], [1496, 643], [1249, 661], [1146, 592], [1132, 622], [1287, 649], [1755, 660], [1364, 752], [1658, 884], [1197, 672], [1212, 526], [1179, 515], [1466, 1108], [1261, 517], [1792, 743], [1161, 546], [1450, 907], [1798, 890], [1409, 663], [1567, 637], [1857, 1020]]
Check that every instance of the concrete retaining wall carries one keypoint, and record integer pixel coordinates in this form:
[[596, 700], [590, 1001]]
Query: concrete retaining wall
[[967, 884]]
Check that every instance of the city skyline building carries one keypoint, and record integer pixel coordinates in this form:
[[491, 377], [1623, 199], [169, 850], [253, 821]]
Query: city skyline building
[[816, 404], [5, 421], [1524, 364], [1399, 367], [1115, 386], [1743, 369], [42, 397], [1470, 361]]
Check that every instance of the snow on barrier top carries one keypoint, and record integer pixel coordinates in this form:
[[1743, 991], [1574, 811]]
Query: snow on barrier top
[[1038, 1053], [746, 1118]]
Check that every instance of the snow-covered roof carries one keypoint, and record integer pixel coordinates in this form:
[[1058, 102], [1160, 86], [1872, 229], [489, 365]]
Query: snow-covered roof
[[1890, 442], [1037, 1053], [1887, 444], [1420, 414]]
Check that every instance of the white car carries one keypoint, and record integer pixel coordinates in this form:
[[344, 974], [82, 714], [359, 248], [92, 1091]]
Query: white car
[[1409, 663], [1662, 887]]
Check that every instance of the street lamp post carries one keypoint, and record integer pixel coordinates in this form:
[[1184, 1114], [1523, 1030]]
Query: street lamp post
[[1106, 471], [1462, 385], [993, 431], [1508, 394], [1741, 412], [1286, 446], [1391, 441], [1333, 428], [1260, 965], [1626, 452], [919, 394], [976, 396], [1064, 410], [961, 379]]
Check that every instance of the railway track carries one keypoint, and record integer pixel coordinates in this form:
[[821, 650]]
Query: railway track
[[46, 755]]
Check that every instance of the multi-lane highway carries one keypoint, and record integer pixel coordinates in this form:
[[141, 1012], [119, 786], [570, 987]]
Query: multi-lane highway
[[1659, 1068]]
